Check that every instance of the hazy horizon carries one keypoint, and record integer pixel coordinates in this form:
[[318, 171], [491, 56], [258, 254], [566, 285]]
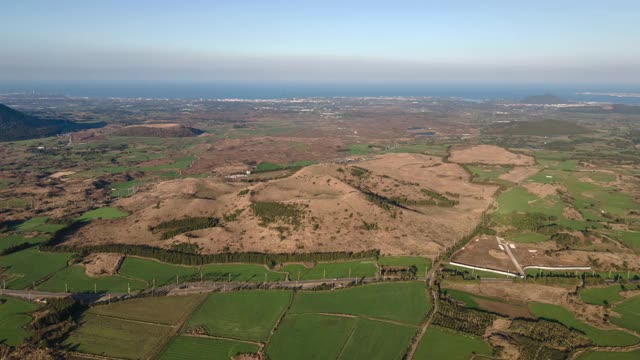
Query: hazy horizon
[[576, 42]]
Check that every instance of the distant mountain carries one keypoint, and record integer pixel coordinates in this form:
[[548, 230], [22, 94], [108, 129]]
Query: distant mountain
[[158, 130], [16, 125], [546, 99]]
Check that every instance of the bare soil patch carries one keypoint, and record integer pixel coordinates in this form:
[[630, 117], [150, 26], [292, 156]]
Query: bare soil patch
[[511, 310], [102, 264], [490, 155], [519, 174], [513, 291]]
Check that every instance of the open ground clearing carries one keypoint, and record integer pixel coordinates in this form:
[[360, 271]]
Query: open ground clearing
[[236, 315], [151, 270], [440, 343], [198, 348], [492, 305], [403, 302], [489, 154]]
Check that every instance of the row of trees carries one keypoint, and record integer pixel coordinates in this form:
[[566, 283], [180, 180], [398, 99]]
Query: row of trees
[[461, 319]]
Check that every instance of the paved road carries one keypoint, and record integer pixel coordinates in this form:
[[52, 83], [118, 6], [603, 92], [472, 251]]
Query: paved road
[[513, 258]]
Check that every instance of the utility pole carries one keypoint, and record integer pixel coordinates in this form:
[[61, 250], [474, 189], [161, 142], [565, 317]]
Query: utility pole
[[66, 288], [153, 287], [95, 288], [324, 274], [176, 279], [201, 281], [265, 277], [129, 288]]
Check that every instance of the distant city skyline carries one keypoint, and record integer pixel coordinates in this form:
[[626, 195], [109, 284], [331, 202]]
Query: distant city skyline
[[329, 41]]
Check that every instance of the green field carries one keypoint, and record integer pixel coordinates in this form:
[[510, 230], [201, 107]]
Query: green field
[[168, 310], [74, 279], [630, 238], [598, 295], [163, 273], [604, 355], [103, 213], [107, 336], [629, 311], [247, 315], [240, 273], [14, 240], [377, 340], [518, 199], [566, 317], [14, 314], [25, 267], [38, 224], [529, 237], [122, 189], [332, 270], [404, 302], [423, 264], [267, 166], [440, 343], [196, 348], [310, 337]]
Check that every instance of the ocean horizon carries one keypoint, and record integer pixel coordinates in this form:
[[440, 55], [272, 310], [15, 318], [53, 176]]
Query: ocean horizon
[[254, 91]]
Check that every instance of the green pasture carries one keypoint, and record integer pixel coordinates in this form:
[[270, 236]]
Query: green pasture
[[38, 224], [598, 336], [529, 237], [629, 311], [441, 343], [25, 267], [162, 273], [248, 315], [14, 315], [421, 263], [16, 239], [611, 355], [601, 295], [74, 279], [377, 340], [240, 273], [518, 199], [310, 337], [332, 270], [377, 301], [103, 213], [106, 336], [197, 348], [267, 166], [167, 310]]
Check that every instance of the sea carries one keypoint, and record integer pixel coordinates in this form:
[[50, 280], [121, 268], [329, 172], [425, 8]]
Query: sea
[[273, 90]]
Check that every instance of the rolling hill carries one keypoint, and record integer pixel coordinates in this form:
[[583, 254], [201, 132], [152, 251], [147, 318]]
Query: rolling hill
[[16, 125]]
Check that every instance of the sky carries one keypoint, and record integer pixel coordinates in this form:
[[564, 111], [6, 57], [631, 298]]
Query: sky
[[465, 41]]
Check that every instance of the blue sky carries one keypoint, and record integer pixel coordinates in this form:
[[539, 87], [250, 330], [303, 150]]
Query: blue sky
[[352, 41]]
